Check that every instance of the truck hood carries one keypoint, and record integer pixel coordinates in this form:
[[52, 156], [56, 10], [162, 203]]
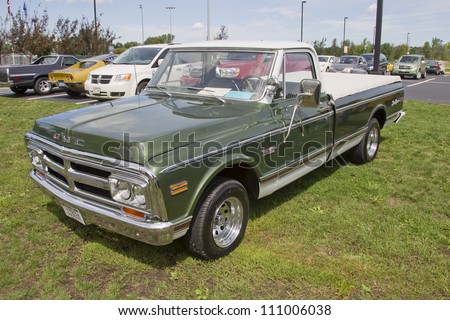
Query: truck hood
[[140, 128]]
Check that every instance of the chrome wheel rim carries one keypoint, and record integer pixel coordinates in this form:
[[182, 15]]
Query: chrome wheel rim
[[43, 86], [372, 142], [227, 222]]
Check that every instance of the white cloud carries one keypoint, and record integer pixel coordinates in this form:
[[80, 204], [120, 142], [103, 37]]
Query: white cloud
[[198, 26], [372, 8]]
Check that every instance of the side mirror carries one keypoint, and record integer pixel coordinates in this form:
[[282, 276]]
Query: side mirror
[[274, 87], [159, 62], [309, 95]]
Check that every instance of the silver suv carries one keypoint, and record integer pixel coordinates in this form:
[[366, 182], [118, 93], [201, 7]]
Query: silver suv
[[413, 65]]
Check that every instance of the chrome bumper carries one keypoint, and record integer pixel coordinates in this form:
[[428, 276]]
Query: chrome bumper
[[112, 218]]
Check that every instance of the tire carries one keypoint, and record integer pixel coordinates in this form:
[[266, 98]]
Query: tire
[[418, 75], [219, 224], [18, 90], [72, 93], [367, 149], [42, 87], [141, 87]]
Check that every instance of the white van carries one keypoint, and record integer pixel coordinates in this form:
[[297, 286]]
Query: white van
[[127, 75]]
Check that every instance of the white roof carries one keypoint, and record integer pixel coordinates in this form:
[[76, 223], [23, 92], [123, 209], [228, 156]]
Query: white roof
[[226, 44]]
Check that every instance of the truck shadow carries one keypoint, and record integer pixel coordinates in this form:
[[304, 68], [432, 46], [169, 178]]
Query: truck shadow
[[162, 257], [165, 257]]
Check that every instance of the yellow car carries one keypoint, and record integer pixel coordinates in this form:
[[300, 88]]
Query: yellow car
[[389, 67], [72, 79]]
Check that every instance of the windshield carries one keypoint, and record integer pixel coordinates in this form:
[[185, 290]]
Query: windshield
[[348, 60], [409, 59], [137, 55], [220, 74], [369, 57]]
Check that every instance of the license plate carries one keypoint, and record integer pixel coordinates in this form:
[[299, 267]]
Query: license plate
[[62, 84], [96, 90], [73, 213]]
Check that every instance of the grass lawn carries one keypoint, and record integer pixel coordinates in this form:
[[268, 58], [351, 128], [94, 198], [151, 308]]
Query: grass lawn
[[377, 231]]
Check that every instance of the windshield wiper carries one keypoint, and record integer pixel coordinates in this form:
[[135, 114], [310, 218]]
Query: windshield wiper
[[160, 88], [210, 92]]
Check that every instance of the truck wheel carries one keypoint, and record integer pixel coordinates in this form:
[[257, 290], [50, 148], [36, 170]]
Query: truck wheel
[[18, 90], [219, 224], [367, 149], [141, 87], [42, 87]]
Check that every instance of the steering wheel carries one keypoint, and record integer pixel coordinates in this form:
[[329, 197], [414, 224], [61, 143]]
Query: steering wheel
[[251, 83]]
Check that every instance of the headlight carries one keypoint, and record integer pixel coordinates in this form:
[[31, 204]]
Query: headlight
[[123, 77], [370, 68], [227, 72], [89, 78], [36, 158], [128, 193]]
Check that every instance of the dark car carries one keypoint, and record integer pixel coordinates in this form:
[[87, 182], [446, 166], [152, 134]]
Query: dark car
[[436, 67], [382, 67], [350, 64], [35, 75]]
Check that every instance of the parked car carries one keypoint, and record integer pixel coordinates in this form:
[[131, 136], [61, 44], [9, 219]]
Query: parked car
[[72, 79], [370, 58], [35, 75], [413, 65], [127, 75], [326, 61], [435, 66], [350, 64]]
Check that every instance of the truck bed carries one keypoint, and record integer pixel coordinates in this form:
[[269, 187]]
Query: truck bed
[[341, 85]]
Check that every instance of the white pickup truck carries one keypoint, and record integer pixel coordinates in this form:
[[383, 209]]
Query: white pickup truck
[[127, 75]]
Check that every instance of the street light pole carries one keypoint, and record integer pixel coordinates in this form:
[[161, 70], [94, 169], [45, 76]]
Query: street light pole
[[407, 42], [301, 30], [208, 21], [142, 20], [343, 42], [170, 19], [95, 27]]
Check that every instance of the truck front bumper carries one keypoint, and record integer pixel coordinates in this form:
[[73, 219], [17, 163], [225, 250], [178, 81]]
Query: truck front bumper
[[113, 219]]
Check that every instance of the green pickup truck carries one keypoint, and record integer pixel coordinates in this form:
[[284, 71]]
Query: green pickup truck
[[220, 122]]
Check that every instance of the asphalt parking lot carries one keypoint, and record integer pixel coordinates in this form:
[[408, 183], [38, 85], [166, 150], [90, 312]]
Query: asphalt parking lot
[[434, 89]]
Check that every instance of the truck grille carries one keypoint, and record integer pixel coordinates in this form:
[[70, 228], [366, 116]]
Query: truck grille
[[86, 176], [101, 79], [404, 67], [76, 176]]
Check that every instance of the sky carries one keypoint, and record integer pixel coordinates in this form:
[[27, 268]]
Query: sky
[[257, 19]]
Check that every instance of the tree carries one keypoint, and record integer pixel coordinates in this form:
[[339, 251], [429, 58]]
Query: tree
[[222, 34], [427, 52], [66, 38], [164, 38], [319, 46], [3, 36], [91, 43], [30, 35]]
